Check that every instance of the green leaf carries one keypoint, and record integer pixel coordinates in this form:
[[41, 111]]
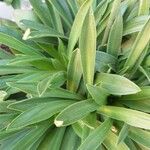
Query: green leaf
[[146, 72], [100, 10], [7, 69], [115, 36], [74, 72], [45, 83], [70, 140], [98, 94], [122, 85], [123, 133], [97, 136], [129, 116], [44, 111], [3, 94], [140, 136], [142, 105], [77, 25], [144, 7], [113, 14], [104, 61], [41, 10], [74, 6], [144, 94], [53, 139], [63, 9], [14, 43], [87, 46], [111, 140], [75, 112], [134, 25], [138, 46]]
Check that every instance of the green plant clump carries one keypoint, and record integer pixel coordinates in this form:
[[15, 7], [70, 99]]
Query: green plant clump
[[75, 75]]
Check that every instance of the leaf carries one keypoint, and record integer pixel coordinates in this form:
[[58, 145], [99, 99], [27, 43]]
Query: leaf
[[113, 14], [75, 112], [142, 105], [98, 94], [6, 69], [146, 72], [123, 133], [30, 138], [144, 7], [129, 116], [140, 136], [53, 139], [134, 25], [74, 72], [97, 136], [74, 6], [70, 140], [122, 85], [41, 9], [138, 46], [44, 111], [100, 10], [144, 94], [63, 9], [77, 26], [87, 46], [111, 140], [45, 83], [115, 36], [44, 33], [14, 43], [104, 61]]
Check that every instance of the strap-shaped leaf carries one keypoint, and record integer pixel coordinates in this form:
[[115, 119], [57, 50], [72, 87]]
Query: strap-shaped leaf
[[77, 25], [122, 85], [123, 133], [87, 46], [144, 94], [129, 116], [41, 9], [114, 12], [46, 111], [111, 140], [62, 7], [134, 25], [75, 112], [98, 94], [142, 105], [138, 46], [14, 43], [144, 7], [115, 36], [15, 69], [70, 140], [53, 139], [74, 71], [140, 136], [97, 136]]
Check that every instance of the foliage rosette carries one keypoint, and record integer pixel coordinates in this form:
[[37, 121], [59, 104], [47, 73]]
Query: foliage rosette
[[75, 75]]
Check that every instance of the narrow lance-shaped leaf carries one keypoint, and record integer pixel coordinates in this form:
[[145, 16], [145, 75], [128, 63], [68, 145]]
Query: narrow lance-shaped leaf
[[129, 116], [115, 36], [74, 71], [44, 111], [144, 7], [140, 136], [75, 112], [87, 45], [138, 46], [77, 25], [123, 133], [122, 86], [97, 136], [114, 12]]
